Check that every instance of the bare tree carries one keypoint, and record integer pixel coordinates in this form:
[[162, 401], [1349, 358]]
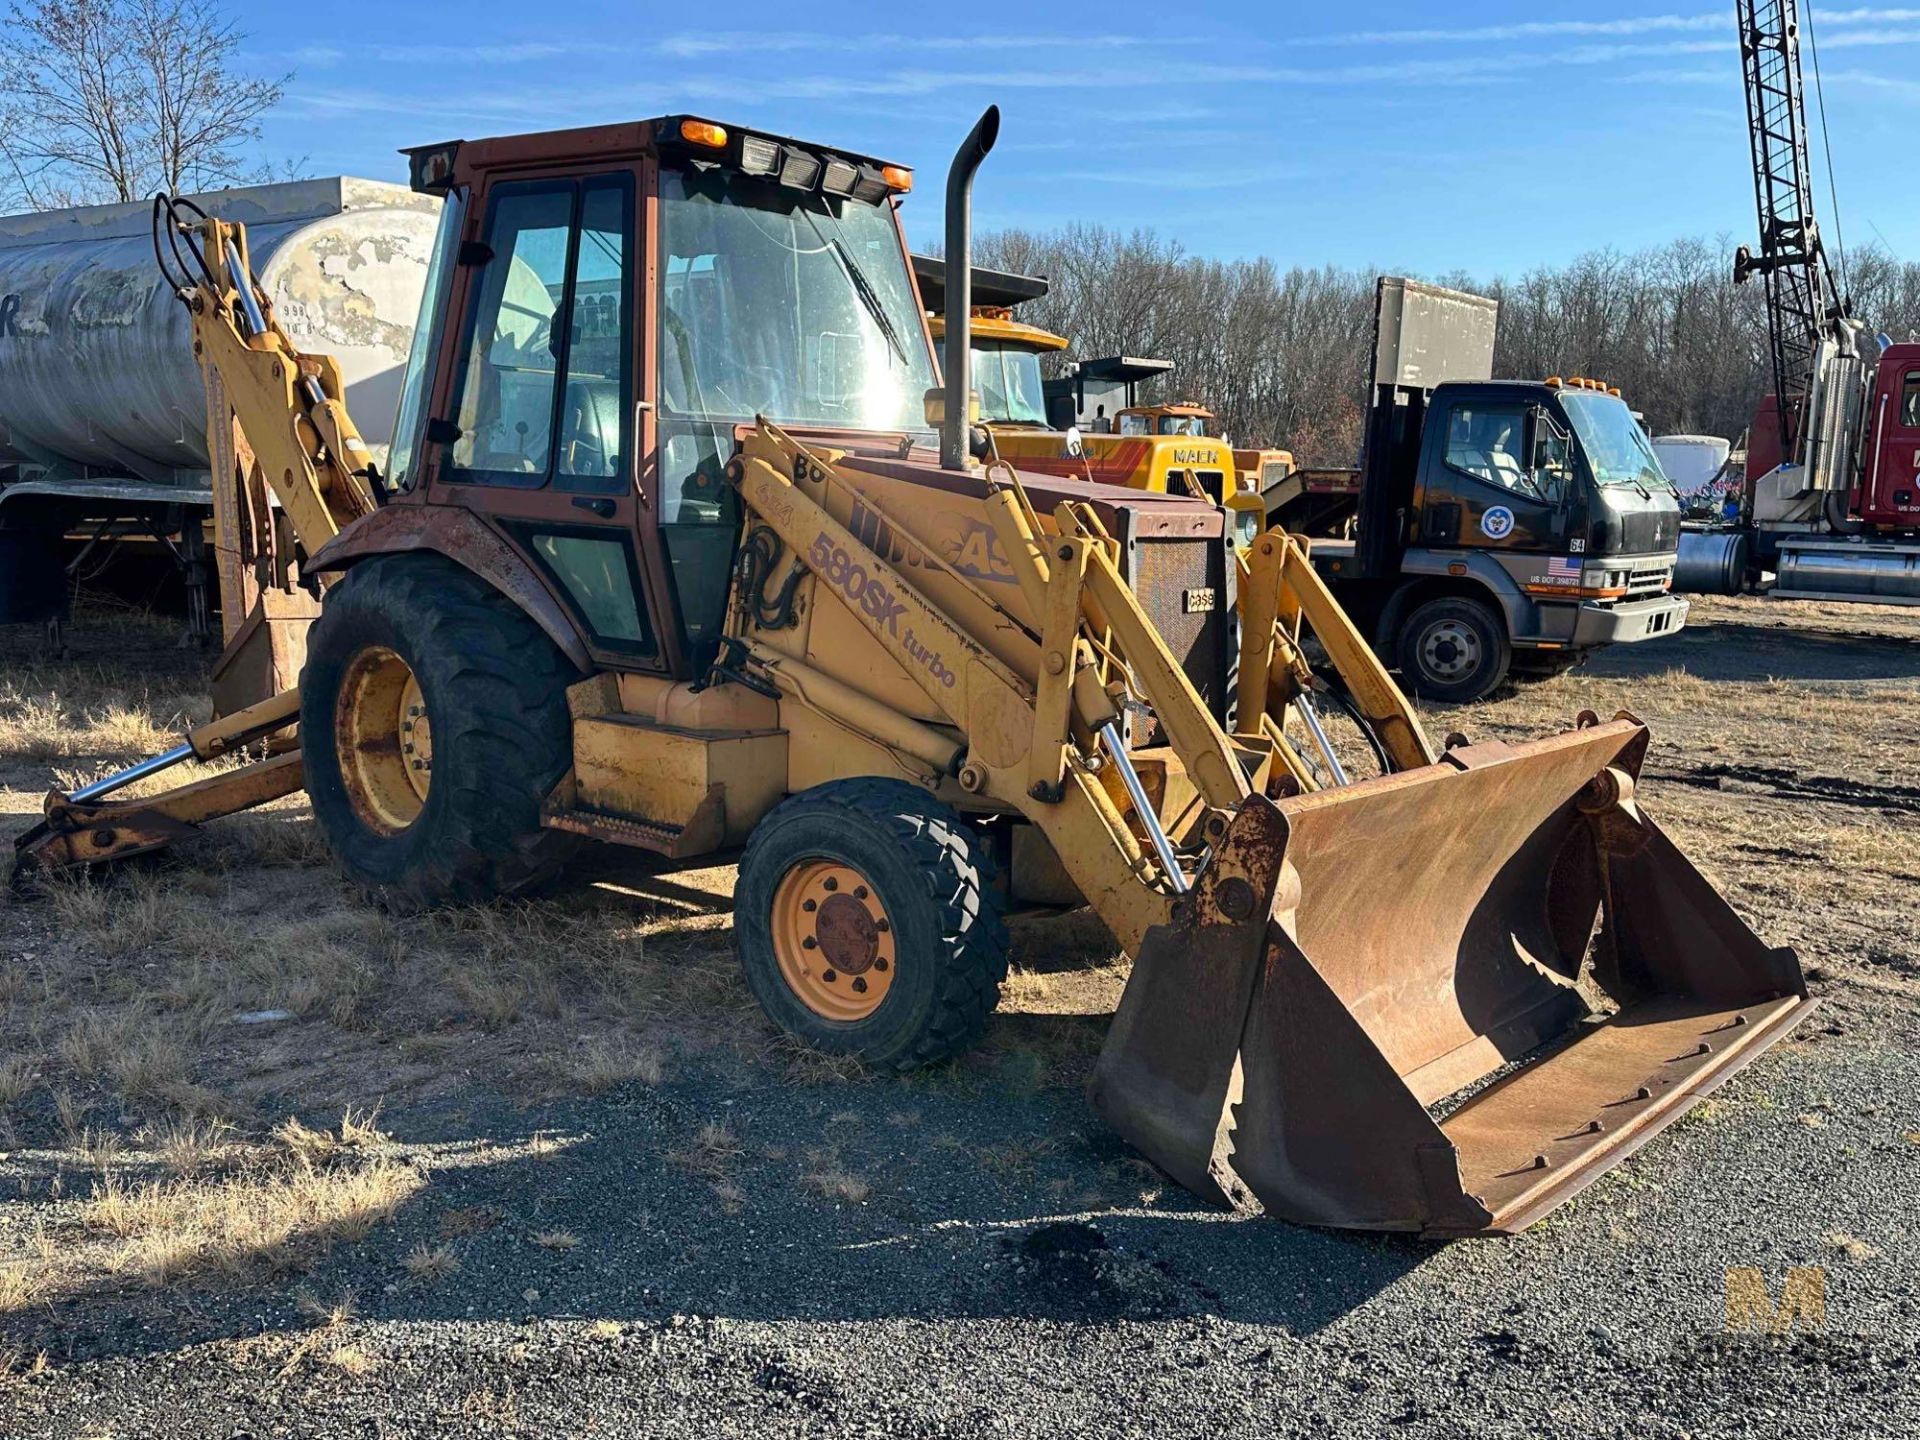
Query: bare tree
[[104, 100]]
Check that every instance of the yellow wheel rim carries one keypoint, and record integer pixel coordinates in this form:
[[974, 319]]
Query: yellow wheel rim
[[833, 940], [385, 740]]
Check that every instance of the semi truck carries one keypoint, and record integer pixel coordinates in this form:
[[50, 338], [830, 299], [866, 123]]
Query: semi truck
[[1829, 505], [1501, 525]]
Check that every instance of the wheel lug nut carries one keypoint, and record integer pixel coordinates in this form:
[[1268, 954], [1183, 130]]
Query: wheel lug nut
[[859, 892], [859, 985], [809, 905], [880, 964], [809, 943], [831, 883], [829, 977], [882, 926]]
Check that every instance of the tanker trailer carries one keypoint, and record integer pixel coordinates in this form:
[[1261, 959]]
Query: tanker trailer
[[103, 411]]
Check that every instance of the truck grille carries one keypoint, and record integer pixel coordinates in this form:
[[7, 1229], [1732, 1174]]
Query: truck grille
[[1646, 580]]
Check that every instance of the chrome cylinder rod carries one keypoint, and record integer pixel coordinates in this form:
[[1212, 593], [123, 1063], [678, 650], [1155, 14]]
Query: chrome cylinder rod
[[1312, 717], [151, 766], [1143, 807], [243, 288]]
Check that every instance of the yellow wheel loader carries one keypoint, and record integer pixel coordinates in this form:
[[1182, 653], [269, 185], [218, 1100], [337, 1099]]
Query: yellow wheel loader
[[664, 560]]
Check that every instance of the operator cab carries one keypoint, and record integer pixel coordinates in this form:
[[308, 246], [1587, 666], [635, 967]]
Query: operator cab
[[1185, 418], [612, 305]]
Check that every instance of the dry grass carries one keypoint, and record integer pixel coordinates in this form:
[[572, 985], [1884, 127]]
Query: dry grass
[[430, 1264], [330, 1313], [17, 1077], [711, 1152], [604, 1065], [711, 1155], [561, 1240], [20, 1286], [350, 1360], [828, 1178], [192, 1203], [267, 1221], [1851, 1246]]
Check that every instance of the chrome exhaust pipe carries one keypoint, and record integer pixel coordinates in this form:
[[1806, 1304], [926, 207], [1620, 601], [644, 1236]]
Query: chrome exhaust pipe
[[957, 364]]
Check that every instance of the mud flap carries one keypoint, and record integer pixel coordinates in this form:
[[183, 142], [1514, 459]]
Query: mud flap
[[1425, 934]]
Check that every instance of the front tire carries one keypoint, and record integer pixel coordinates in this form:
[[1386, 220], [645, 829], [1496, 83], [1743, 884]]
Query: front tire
[[1454, 650], [868, 923], [434, 720]]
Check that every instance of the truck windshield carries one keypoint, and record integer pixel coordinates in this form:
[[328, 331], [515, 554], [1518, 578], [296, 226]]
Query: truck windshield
[[1008, 379], [789, 305], [1617, 448]]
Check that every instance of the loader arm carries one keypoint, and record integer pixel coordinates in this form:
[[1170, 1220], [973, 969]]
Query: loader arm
[[1015, 725]]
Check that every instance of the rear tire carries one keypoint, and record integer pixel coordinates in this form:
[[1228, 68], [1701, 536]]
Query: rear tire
[[417, 640], [1454, 650], [868, 923]]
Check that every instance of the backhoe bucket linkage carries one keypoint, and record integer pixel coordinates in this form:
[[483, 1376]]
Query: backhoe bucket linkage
[[1353, 961]]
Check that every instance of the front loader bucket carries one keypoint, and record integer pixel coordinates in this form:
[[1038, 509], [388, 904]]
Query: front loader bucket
[[1353, 958]]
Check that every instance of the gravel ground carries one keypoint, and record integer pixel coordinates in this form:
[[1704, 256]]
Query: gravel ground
[[729, 1252]]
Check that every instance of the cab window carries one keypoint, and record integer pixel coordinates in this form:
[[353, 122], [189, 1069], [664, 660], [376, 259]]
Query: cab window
[[1134, 425], [1488, 442], [1910, 400], [543, 391]]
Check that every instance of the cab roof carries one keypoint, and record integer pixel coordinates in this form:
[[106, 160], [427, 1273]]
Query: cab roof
[[434, 169], [1005, 329]]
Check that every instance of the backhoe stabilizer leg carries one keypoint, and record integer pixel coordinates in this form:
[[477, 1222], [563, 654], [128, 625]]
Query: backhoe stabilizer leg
[[80, 833]]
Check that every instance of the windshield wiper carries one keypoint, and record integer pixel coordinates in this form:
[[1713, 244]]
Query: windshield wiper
[[863, 287]]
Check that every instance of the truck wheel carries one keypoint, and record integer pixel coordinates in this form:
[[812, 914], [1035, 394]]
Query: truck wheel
[[434, 721], [868, 923], [1454, 650]]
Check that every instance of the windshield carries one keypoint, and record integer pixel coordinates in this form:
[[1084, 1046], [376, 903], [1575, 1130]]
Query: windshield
[[797, 307], [1182, 425], [1617, 448], [1008, 379]]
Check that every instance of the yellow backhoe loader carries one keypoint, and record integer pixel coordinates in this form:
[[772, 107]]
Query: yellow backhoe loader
[[606, 595]]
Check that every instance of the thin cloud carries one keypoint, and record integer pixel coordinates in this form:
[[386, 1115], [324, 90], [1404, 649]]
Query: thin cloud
[[1522, 30], [1624, 28], [746, 42]]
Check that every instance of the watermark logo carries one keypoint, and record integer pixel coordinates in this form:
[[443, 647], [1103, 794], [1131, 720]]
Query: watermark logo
[[1750, 1305], [9, 316]]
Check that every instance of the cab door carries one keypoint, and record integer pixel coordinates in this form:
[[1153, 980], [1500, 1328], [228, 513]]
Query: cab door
[[1477, 485], [546, 431], [1891, 494]]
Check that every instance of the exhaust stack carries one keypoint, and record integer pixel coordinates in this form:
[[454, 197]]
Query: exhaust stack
[[957, 363]]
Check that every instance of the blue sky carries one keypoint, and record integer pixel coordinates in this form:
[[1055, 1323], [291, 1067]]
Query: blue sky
[[1479, 136]]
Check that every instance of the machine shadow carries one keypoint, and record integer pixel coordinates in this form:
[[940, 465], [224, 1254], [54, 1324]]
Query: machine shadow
[[919, 1202]]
